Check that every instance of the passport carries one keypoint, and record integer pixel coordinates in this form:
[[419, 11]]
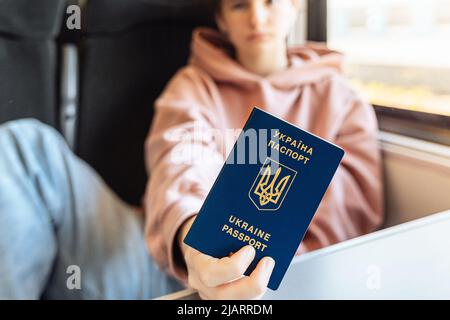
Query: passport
[[266, 193]]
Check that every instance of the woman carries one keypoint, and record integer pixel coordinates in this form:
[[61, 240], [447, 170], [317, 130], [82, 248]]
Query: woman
[[64, 234], [247, 64]]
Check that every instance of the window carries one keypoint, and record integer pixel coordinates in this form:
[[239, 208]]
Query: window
[[298, 32], [398, 51]]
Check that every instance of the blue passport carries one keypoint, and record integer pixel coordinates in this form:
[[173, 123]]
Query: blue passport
[[266, 193]]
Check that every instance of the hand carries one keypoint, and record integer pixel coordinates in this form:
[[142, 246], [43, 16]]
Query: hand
[[224, 278]]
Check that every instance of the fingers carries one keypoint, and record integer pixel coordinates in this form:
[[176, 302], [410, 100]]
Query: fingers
[[215, 272], [251, 287], [184, 229], [223, 278]]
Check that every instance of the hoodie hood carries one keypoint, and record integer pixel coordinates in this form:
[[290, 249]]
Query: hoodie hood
[[212, 52]]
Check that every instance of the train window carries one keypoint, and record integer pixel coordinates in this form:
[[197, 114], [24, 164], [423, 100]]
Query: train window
[[298, 33], [398, 50], [397, 55]]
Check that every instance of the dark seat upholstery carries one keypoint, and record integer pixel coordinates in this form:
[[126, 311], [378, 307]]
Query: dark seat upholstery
[[28, 59], [128, 51]]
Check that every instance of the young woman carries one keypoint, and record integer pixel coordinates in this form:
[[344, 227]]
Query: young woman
[[64, 234], [244, 64]]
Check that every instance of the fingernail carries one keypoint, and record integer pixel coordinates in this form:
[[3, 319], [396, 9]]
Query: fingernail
[[249, 251], [269, 263]]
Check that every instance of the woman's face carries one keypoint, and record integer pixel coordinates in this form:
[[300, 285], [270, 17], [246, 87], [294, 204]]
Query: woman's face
[[253, 26]]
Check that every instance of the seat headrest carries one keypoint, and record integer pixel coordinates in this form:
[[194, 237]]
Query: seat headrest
[[31, 19], [112, 16], [43, 18]]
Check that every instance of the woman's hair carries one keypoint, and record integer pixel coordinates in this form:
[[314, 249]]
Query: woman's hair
[[212, 8]]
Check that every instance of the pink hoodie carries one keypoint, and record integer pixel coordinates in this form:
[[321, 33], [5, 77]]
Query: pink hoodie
[[215, 92]]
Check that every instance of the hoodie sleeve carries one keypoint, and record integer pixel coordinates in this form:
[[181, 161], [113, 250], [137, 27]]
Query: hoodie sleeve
[[353, 203], [176, 149]]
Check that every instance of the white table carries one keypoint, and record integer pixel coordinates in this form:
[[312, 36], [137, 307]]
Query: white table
[[408, 261]]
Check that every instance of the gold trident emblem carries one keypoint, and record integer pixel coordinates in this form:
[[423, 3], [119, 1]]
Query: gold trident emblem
[[268, 192]]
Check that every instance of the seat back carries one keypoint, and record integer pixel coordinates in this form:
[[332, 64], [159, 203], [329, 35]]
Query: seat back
[[29, 59], [129, 51]]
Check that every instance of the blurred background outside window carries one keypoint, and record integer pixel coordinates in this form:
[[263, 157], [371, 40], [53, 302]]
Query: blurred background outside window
[[398, 51]]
